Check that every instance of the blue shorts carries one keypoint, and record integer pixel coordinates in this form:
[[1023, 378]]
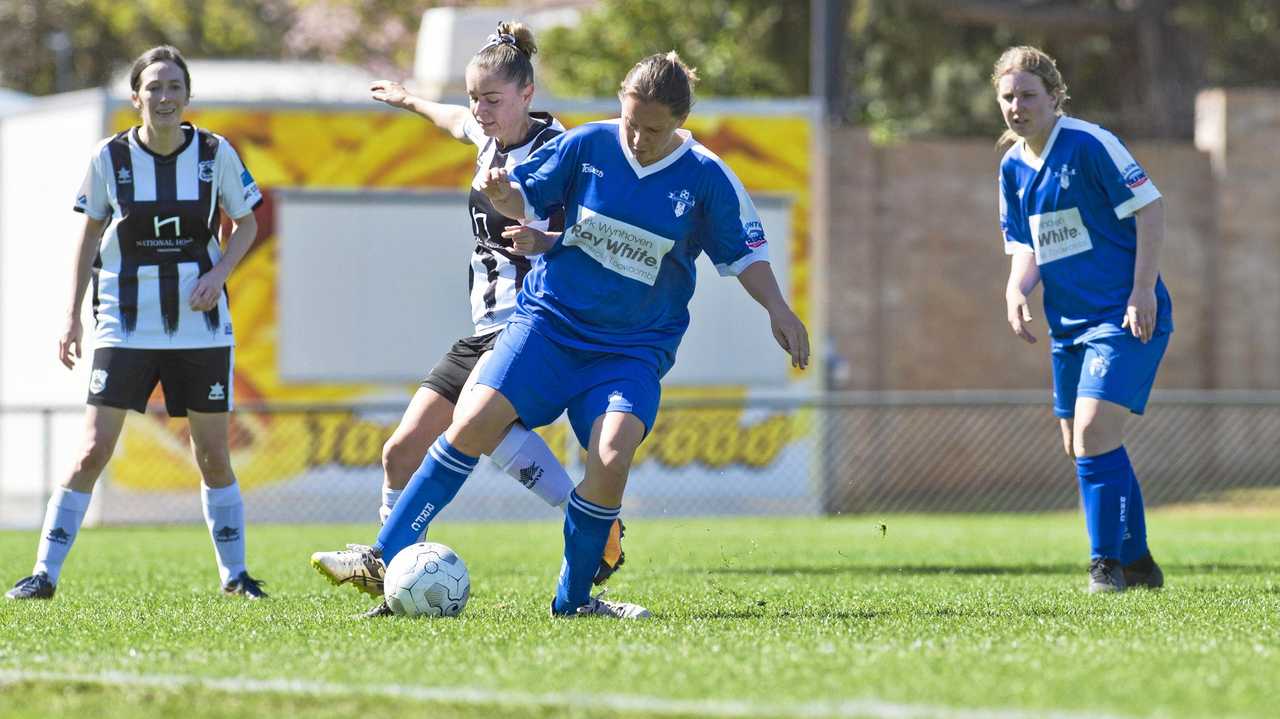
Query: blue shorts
[[542, 378], [1116, 368]]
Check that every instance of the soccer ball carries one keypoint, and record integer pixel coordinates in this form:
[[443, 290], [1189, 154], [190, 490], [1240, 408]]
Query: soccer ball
[[427, 579]]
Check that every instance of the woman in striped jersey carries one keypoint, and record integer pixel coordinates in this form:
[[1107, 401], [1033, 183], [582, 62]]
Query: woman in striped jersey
[[152, 201]]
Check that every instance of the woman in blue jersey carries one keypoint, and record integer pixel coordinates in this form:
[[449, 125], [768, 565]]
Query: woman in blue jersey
[[152, 201], [603, 309], [1081, 215], [499, 123]]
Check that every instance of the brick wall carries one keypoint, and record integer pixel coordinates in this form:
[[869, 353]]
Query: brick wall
[[916, 273]]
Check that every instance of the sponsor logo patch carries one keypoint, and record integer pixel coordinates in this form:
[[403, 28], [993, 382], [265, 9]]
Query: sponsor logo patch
[[630, 251], [97, 381], [755, 235], [1134, 176], [217, 391], [1059, 234], [530, 475]]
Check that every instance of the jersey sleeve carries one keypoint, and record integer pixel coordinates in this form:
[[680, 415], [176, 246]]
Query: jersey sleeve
[[473, 132], [93, 198], [1125, 183], [545, 178], [238, 193], [735, 237], [1012, 224]]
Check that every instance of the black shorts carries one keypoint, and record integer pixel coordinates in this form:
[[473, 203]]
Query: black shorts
[[196, 379], [451, 372]]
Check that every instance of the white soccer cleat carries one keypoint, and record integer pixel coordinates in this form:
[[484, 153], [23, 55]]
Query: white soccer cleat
[[598, 606], [357, 565]]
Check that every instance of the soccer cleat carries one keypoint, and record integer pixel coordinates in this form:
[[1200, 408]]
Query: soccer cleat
[[37, 586], [1106, 575], [358, 565], [1144, 572], [382, 610], [245, 586], [600, 607], [613, 554]]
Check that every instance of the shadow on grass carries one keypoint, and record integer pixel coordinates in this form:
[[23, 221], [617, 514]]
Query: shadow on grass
[[880, 570]]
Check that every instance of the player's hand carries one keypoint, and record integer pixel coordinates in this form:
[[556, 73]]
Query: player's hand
[[388, 91], [208, 288], [70, 345], [1019, 315], [791, 335], [1140, 314], [496, 184], [526, 240]]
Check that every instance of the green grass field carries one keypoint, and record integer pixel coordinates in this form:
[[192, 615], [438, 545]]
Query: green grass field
[[950, 616]]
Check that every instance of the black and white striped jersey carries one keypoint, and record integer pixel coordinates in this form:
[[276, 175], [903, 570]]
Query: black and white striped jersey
[[496, 274], [163, 234]]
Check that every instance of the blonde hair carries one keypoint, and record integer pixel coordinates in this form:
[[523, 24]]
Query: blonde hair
[[1025, 58], [662, 78], [509, 52]]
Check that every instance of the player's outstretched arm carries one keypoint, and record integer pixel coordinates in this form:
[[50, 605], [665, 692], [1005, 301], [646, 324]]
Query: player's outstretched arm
[[450, 118], [758, 280], [1024, 275], [70, 345]]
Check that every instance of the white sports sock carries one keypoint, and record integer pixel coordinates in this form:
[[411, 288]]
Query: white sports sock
[[389, 499], [527, 458], [224, 515], [62, 521]]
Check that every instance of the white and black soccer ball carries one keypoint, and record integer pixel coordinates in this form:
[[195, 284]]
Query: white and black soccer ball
[[427, 579]]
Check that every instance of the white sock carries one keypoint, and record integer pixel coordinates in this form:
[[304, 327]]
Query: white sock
[[224, 515], [527, 458], [62, 521], [389, 499]]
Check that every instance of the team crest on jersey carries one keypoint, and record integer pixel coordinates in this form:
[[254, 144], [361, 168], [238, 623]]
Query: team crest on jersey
[[1064, 175], [681, 202], [123, 176], [206, 171], [97, 381], [1098, 367]]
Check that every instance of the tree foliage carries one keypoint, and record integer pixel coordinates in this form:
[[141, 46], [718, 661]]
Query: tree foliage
[[739, 47]]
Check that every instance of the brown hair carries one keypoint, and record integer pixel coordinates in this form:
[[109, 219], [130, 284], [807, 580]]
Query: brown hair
[[510, 52], [1025, 58], [160, 53], [662, 78]]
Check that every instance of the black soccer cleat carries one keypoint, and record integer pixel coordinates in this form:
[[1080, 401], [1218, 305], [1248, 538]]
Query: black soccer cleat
[[1144, 572], [613, 556], [37, 586], [382, 610], [245, 586], [1106, 575]]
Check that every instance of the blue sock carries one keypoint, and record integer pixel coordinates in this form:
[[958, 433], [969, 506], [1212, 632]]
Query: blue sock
[[434, 485], [1135, 531], [586, 530], [1104, 487]]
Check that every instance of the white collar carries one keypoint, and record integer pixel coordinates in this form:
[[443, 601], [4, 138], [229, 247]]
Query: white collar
[[643, 171], [1048, 146]]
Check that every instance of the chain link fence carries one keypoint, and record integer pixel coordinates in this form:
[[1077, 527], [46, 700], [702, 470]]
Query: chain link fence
[[746, 454]]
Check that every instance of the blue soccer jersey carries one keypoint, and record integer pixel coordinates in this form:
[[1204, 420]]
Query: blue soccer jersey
[[620, 278], [1073, 207]]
